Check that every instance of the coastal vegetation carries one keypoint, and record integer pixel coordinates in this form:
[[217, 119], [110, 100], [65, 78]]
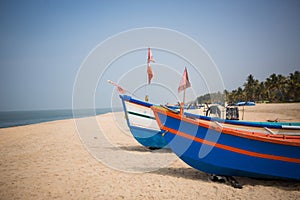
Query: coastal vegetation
[[276, 88]]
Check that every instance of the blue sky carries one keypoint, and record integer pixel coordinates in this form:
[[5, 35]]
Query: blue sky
[[43, 43]]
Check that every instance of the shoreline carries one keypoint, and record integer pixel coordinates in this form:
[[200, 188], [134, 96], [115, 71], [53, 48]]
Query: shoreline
[[262, 114]]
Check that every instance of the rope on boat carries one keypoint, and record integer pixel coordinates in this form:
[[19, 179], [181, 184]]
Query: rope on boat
[[269, 130], [220, 125], [163, 134]]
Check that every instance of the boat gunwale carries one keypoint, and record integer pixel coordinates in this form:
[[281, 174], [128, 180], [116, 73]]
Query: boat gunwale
[[252, 135], [135, 101]]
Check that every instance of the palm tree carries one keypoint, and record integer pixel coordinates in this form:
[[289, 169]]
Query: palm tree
[[240, 95], [250, 88], [293, 88], [232, 97], [274, 89], [281, 88], [260, 92], [271, 87]]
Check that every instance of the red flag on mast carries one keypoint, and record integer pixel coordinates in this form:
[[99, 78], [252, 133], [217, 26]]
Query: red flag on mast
[[150, 56], [149, 68], [184, 83], [119, 88], [150, 73]]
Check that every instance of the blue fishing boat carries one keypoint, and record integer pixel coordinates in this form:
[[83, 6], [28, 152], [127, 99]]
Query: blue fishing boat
[[142, 124], [232, 149]]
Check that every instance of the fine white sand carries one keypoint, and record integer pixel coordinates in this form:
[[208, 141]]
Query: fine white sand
[[49, 161]]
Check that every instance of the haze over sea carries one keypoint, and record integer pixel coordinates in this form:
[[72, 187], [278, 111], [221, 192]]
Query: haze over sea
[[19, 118]]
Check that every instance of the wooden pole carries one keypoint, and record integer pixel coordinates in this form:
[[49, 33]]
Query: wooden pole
[[243, 112], [147, 82], [182, 104]]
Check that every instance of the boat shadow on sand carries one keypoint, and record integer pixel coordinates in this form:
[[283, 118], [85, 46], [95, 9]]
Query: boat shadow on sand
[[186, 173], [139, 148], [193, 174]]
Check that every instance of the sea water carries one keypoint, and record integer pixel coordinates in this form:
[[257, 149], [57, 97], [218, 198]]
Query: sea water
[[19, 118]]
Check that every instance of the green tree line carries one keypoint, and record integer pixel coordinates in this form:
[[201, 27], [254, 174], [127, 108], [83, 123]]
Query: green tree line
[[276, 88]]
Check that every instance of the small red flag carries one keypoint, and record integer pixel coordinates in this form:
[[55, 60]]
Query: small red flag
[[150, 56], [119, 88], [184, 83], [150, 73]]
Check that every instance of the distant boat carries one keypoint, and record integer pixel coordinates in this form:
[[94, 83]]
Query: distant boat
[[230, 149], [245, 103]]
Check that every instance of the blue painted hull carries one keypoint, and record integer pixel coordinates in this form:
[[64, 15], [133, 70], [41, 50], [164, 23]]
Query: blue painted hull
[[146, 136], [216, 152]]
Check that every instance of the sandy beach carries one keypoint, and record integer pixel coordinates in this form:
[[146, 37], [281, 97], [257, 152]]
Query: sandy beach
[[49, 161]]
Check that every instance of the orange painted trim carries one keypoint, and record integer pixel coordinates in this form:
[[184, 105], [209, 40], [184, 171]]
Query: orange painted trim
[[232, 149], [285, 140]]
